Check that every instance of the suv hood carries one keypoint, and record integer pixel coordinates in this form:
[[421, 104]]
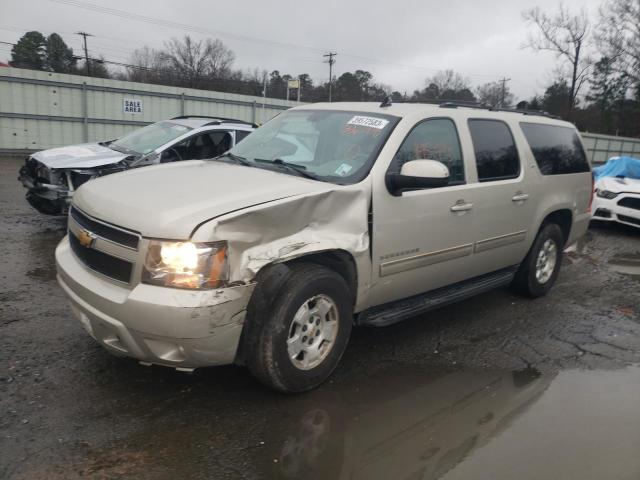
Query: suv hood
[[169, 201], [86, 155]]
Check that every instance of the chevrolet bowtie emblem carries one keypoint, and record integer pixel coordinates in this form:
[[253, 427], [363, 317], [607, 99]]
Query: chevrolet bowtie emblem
[[86, 238]]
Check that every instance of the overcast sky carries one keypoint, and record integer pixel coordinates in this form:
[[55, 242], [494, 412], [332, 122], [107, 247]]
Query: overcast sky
[[401, 42]]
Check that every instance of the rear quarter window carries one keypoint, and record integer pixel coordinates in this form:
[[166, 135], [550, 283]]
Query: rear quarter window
[[557, 150]]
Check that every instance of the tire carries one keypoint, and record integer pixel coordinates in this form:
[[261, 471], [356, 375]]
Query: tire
[[536, 282], [278, 324]]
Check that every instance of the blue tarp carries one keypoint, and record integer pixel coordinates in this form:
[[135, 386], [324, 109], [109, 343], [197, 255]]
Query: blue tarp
[[627, 167]]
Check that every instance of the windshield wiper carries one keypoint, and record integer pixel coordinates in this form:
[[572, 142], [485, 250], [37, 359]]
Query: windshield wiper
[[300, 170], [235, 158]]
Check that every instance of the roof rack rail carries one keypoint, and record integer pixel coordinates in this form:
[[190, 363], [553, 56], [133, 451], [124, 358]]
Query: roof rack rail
[[482, 106], [215, 119], [463, 103], [523, 111]]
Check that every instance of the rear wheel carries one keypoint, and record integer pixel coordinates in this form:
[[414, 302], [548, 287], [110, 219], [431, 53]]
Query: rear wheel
[[296, 341], [540, 268]]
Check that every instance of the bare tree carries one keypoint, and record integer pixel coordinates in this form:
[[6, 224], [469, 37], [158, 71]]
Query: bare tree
[[618, 36], [567, 36], [194, 61], [448, 80], [494, 95], [220, 58], [149, 65]]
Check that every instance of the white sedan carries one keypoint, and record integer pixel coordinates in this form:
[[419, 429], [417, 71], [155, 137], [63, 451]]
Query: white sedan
[[617, 200]]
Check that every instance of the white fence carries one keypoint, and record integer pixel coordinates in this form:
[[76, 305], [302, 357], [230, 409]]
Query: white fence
[[41, 110], [602, 147]]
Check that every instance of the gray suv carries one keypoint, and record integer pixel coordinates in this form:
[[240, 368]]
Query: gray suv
[[328, 216]]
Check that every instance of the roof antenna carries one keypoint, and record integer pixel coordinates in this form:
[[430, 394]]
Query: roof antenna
[[386, 102]]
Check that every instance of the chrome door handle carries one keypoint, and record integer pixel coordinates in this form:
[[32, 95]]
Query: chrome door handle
[[460, 206], [520, 197]]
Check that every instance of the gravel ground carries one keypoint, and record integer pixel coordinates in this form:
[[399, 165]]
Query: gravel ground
[[68, 409]]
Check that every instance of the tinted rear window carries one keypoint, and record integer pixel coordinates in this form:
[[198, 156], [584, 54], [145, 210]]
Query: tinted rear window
[[496, 154], [557, 150]]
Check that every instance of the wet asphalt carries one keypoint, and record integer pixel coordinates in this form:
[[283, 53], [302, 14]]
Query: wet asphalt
[[497, 386]]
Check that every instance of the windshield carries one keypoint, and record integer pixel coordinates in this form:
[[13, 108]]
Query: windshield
[[334, 146], [149, 138]]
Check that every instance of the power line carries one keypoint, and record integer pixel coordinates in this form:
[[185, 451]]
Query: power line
[[207, 31], [330, 61]]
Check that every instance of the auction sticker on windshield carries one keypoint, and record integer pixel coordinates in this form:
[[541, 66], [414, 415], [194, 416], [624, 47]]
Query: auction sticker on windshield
[[371, 122]]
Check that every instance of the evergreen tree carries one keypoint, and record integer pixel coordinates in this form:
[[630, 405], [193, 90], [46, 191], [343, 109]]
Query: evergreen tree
[[29, 52], [58, 57]]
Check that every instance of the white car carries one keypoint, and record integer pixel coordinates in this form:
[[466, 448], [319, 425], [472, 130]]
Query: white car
[[617, 200], [52, 176]]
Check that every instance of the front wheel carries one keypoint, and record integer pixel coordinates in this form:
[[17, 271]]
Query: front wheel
[[297, 342], [540, 268]]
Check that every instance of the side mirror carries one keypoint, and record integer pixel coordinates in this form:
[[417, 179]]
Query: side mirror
[[417, 175]]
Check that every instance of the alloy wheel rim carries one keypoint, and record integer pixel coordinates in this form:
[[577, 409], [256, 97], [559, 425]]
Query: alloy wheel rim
[[313, 332], [546, 261]]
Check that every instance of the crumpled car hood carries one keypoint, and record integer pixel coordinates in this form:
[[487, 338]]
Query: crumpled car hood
[[619, 185], [86, 155], [169, 201]]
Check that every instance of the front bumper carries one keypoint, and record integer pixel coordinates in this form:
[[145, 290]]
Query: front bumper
[[165, 326], [45, 198], [610, 211]]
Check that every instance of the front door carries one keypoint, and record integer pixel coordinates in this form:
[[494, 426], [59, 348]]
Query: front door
[[424, 239]]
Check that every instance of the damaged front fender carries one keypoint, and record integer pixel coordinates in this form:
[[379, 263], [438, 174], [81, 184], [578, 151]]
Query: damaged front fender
[[294, 227]]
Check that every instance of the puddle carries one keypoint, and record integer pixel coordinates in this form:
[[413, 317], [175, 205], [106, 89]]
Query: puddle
[[405, 423], [578, 424], [626, 263]]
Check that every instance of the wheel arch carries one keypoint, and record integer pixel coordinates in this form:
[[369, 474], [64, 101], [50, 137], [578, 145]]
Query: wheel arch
[[562, 217], [272, 276]]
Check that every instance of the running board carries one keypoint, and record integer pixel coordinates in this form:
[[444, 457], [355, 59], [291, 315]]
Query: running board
[[399, 310]]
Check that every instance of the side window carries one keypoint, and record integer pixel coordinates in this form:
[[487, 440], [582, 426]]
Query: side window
[[496, 153], [240, 134], [435, 139], [557, 150]]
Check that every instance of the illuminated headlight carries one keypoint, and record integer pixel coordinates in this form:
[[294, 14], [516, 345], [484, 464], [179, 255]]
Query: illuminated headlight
[[606, 194], [186, 265]]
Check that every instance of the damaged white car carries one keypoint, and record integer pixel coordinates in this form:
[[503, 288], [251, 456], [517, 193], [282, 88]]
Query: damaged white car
[[328, 216], [617, 191], [52, 176]]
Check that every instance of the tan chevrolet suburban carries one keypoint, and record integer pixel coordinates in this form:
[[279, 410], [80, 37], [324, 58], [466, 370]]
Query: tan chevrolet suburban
[[330, 215]]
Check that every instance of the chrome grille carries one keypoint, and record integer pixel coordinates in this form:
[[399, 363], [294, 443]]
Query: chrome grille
[[116, 235], [103, 263]]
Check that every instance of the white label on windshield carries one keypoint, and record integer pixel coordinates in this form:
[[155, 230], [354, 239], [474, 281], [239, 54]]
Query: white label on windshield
[[343, 169], [371, 122]]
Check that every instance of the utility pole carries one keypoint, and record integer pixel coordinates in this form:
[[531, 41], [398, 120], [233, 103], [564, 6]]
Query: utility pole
[[86, 52], [503, 92], [330, 61], [264, 93]]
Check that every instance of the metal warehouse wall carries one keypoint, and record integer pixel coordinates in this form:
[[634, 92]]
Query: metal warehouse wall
[[602, 147], [40, 110]]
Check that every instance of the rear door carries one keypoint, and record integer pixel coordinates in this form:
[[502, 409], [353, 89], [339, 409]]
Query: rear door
[[504, 202]]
